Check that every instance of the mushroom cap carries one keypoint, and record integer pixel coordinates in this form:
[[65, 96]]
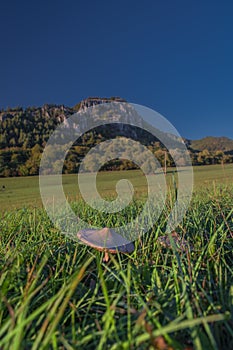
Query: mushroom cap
[[180, 243], [105, 239]]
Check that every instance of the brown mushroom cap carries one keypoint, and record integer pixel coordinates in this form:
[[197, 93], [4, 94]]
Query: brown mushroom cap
[[181, 244], [105, 239]]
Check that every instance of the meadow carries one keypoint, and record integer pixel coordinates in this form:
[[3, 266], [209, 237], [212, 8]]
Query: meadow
[[59, 294], [18, 192]]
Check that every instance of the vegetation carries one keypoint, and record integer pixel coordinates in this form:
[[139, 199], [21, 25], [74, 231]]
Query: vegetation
[[213, 144], [58, 294], [24, 133], [24, 191]]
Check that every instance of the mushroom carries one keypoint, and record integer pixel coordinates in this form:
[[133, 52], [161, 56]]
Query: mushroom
[[181, 244], [106, 240]]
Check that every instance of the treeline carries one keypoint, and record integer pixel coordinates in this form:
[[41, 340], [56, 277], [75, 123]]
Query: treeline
[[23, 129], [24, 162], [24, 133]]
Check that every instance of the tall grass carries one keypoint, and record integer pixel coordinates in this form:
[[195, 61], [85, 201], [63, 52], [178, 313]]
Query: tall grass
[[57, 294]]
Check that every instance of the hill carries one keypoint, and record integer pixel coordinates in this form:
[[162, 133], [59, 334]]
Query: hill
[[24, 133], [212, 144]]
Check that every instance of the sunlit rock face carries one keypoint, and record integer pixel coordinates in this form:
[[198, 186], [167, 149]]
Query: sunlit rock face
[[93, 101]]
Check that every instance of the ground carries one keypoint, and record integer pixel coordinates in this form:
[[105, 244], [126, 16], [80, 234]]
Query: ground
[[58, 294]]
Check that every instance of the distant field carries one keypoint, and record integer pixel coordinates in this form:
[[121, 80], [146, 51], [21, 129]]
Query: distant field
[[24, 191]]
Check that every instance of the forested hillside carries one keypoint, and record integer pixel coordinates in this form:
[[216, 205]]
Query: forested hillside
[[24, 133], [213, 144]]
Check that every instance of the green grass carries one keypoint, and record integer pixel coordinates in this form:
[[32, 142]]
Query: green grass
[[58, 294], [24, 191]]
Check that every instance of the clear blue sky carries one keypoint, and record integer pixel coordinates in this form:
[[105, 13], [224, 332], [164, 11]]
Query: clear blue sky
[[173, 56]]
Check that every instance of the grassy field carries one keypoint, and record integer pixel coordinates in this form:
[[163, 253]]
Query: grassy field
[[24, 191], [58, 294]]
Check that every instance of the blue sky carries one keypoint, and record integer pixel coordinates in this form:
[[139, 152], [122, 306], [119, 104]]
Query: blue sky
[[173, 56]]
